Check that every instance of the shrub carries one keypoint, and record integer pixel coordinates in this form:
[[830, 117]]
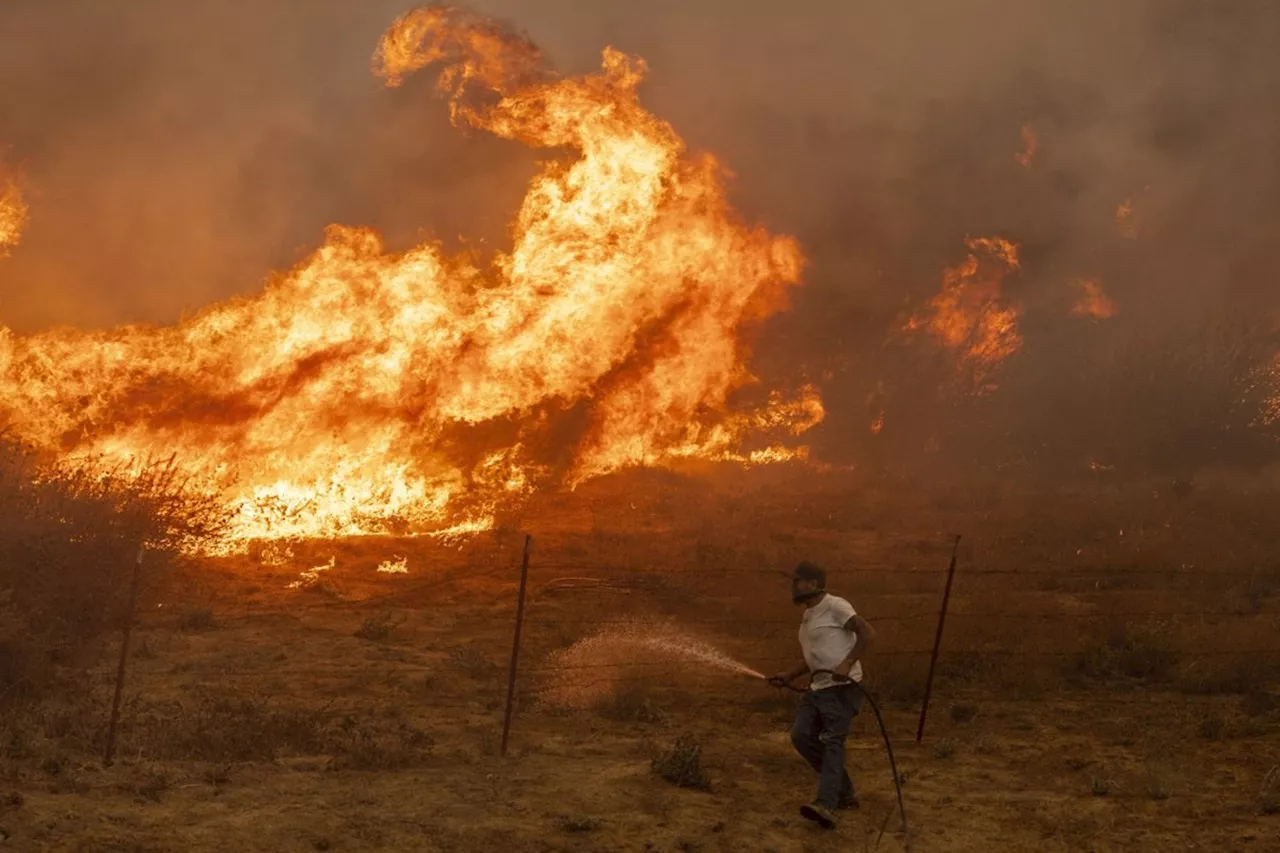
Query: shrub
[[199, 619], [376, 628], [1147, 651], [70, 534], [1212, 727], [681, 765], [1158, 786], [566, 823], [633, 704]]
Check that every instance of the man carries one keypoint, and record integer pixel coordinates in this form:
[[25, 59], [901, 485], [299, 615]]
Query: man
[[833, 639]]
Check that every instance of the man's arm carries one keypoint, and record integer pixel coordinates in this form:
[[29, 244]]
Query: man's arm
[[790, 675], [866, 636]]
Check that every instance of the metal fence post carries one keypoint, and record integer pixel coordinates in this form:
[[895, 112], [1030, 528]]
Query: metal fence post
[[937, 639], [515, 645], [124, 658]]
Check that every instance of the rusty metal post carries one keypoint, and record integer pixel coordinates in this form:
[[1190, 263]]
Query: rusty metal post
[[515, 645], [937, 639], [124, 658]]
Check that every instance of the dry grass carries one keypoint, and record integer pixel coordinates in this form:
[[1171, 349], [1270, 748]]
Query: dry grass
[[308, 734], [70, 535]]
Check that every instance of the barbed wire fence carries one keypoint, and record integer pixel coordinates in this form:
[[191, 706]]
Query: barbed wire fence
[[1104, 642], [1001, 623]]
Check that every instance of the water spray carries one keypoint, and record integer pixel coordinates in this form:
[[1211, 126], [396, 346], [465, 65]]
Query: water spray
[[619, 647]]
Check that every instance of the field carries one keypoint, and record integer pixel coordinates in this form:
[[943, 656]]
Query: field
[[1108, 681]]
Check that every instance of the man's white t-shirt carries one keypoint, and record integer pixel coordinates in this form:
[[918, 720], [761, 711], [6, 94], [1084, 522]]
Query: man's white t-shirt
[[824, 640]]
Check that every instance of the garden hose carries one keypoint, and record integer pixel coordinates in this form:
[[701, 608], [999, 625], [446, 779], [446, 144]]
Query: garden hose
[[884, 733]]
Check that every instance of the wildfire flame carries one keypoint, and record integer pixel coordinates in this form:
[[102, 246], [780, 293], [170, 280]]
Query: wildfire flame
[[13, 214], [369, 391], [1126, 220], [1094, 302], [971, 316], [1025, 157]]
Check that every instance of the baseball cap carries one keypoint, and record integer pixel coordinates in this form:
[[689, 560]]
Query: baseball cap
[[807, 571]]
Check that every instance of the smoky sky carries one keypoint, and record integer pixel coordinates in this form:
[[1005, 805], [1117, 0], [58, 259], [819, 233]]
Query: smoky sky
[[177, 153]]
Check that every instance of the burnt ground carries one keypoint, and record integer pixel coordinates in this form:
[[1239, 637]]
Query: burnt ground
[[1108, 683]]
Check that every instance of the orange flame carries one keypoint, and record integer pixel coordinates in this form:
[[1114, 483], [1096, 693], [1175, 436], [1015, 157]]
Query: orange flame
[[971, 316], [1126, 221], [369, 391], [13, 214], [1094, 302], [1029, 146]]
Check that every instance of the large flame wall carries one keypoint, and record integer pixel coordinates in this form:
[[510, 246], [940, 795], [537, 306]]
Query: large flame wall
[[368, 390]]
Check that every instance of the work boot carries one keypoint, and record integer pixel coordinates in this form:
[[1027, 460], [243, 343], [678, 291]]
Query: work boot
[[819, 814]]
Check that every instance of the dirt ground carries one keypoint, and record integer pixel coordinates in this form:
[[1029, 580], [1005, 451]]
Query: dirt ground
[[1109, 684]]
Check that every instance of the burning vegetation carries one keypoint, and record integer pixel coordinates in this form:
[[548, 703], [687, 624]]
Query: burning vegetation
[[373, 391], [13, 213], [972, 317], [1093, 302]]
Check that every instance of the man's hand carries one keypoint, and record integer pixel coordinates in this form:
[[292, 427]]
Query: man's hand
[[842, 671], [781, 679]]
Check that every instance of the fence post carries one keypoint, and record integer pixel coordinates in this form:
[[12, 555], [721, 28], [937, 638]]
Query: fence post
[[124, 658], [937, 639], [515, 644]]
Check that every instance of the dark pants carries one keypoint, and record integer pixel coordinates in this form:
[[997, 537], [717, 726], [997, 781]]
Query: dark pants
[[822, 724]]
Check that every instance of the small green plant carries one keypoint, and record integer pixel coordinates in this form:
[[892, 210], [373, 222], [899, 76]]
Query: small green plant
[[944, 748], [1101, 787], [681, 765], [963, 712]]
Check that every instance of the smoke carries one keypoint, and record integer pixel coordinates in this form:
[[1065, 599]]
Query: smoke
[[175, 153]]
